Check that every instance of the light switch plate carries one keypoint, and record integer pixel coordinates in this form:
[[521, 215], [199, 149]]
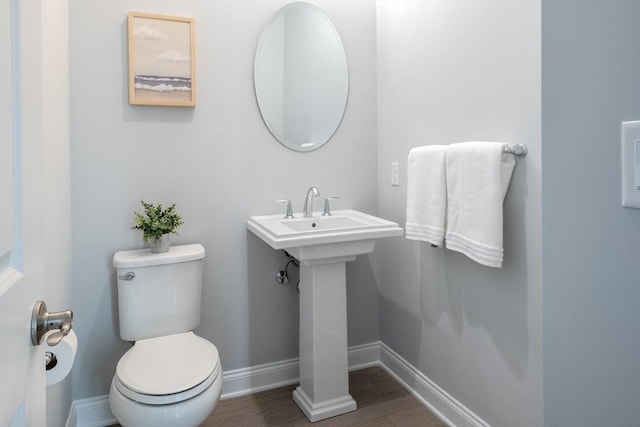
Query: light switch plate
[[395, 174], [631, 164], [636, 167]]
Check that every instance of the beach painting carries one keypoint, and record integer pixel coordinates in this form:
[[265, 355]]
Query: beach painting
[[161, 60]]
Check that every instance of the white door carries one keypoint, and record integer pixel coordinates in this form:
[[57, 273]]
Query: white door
[[22, 211]]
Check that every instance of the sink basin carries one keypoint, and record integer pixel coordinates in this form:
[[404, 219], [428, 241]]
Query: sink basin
[[323, 223], [342, 226]]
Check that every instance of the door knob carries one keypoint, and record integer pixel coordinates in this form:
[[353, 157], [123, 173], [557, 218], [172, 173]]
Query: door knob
[[43, 321]]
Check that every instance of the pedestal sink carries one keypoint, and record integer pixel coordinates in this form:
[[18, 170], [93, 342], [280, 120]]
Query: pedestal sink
[[323, 244]]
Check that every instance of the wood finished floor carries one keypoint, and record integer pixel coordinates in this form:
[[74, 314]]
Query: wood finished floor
[[382, 402]]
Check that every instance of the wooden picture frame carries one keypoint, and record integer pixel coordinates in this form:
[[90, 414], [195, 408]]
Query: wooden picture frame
[[161, 60]]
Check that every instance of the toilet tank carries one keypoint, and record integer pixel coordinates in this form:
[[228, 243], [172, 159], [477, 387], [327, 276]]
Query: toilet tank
[[159, 294]]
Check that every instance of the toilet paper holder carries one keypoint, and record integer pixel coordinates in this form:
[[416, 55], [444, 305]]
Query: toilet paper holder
[[43, 321], [51, 360]]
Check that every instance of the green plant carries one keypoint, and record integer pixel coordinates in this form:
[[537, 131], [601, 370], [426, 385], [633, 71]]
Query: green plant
[[156, 221]]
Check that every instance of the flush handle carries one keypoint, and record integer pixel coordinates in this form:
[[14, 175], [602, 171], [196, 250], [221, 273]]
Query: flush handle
[[129, 276], [42, 322]]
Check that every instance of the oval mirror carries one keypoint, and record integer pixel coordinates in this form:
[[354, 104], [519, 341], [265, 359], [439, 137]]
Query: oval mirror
[[301, 77]]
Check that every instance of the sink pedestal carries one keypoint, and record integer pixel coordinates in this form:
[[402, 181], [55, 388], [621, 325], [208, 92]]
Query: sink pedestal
[[323, 245], [324, 366]]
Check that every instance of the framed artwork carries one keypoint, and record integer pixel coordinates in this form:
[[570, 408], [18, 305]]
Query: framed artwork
[[161, 60]]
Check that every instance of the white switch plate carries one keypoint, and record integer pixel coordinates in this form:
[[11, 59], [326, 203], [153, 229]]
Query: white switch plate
[[636, 166], [395, 174], [631, 164]]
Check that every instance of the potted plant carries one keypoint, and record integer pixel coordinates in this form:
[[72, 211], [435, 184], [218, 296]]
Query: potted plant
[[156, 224]]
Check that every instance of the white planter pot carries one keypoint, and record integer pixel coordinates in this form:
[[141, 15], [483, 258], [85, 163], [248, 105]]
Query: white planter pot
[[159, 244]]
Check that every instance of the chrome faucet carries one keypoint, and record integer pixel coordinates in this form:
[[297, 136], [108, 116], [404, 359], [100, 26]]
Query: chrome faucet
[[308, 203]]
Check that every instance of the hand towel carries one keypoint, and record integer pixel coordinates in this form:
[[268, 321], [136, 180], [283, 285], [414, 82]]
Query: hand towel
[[426, 194], [478, 176]]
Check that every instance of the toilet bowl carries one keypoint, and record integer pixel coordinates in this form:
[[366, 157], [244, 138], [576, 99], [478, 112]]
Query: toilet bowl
[[170, 377], [165, 381]]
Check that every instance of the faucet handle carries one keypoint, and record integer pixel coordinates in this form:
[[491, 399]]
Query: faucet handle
[[327, 207], [289, 213]]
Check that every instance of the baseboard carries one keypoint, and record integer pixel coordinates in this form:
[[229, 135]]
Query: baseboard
[[254, 379], [364, 356], [91, 412], [95, 411], [442, 404]]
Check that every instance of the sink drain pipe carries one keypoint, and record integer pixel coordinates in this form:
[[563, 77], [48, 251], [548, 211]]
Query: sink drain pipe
[[282, 276]]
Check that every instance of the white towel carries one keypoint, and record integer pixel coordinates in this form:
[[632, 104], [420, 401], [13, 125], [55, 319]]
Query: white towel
[[478, 175], [426, 194]]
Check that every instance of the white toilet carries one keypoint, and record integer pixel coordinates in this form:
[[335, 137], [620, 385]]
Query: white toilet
[[170, 377]]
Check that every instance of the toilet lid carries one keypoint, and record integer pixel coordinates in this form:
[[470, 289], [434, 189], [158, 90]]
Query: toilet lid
[[167, 365]]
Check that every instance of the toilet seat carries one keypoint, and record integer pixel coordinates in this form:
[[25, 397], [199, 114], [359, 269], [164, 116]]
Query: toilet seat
[[169, 369]]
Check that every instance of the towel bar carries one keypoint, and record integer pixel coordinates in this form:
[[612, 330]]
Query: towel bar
[[518, 150]]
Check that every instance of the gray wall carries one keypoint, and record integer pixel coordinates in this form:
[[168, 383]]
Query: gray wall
[[591, 83], [451, 72], [220, 164]]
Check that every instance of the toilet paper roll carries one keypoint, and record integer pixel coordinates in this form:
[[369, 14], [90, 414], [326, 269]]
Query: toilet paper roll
[[65, 352]]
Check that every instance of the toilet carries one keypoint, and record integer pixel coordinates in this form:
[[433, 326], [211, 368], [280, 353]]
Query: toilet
[[170, 376]]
